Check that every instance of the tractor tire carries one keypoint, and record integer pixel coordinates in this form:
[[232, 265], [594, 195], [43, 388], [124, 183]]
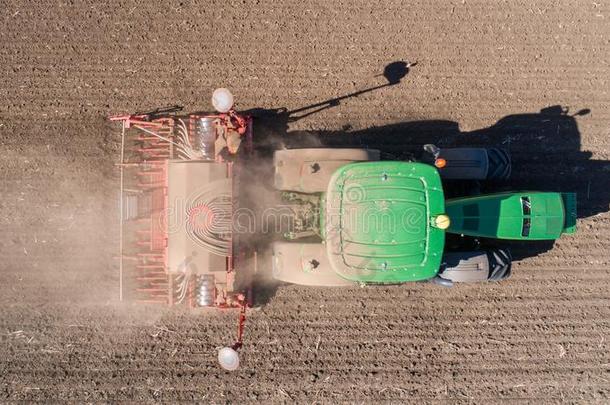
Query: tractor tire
[[476, 266], [472, 163], [499, 264], [305, 264], [309, 170], [499, 164]]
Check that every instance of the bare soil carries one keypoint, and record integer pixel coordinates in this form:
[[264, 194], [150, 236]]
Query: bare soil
[[487, 73]]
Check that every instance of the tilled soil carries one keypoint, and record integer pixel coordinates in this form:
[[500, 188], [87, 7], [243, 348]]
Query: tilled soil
[[511, 74]]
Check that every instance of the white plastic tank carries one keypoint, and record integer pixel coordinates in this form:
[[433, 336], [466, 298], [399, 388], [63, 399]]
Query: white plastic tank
[[222, 100], [206, 137], [228, 358]]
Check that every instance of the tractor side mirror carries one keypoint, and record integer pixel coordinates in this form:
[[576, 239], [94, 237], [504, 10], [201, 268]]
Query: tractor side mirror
[[432, 149]]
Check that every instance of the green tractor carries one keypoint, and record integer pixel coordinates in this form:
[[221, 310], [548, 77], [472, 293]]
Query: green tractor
[[360, 220], [193, 187]]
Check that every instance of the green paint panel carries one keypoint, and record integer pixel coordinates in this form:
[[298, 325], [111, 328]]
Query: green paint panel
[[377, 221], [521, 216]]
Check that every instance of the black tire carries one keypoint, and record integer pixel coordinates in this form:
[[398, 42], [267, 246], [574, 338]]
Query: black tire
[[465, 267], [499, 264], [499, 164], [476, 266]]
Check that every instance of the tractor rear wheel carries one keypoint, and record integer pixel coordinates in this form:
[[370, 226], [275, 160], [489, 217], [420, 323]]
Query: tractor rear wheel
[[305, 264]]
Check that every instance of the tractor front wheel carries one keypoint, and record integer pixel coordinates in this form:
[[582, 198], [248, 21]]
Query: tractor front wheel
[[476, 266]]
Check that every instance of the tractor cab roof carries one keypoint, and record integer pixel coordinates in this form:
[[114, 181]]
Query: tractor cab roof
[[377, 221]]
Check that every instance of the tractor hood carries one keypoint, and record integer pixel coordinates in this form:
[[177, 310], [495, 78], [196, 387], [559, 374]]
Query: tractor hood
[[378, 220], [522, 215]]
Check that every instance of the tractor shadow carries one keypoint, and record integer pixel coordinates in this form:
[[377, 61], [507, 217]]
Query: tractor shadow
[[545, 149]]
